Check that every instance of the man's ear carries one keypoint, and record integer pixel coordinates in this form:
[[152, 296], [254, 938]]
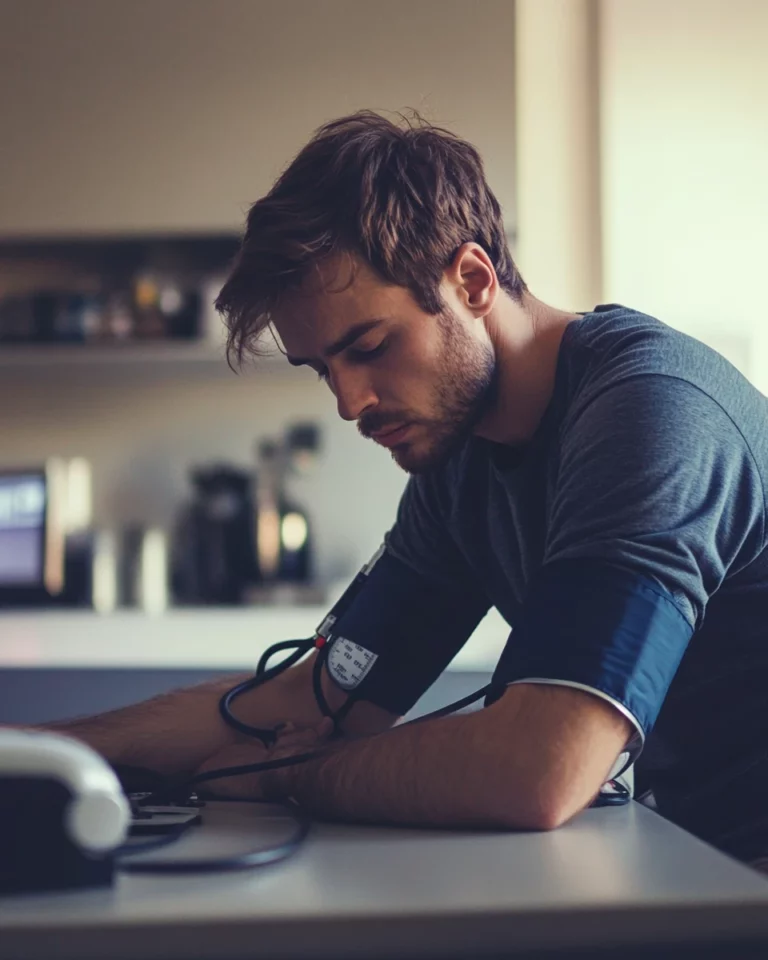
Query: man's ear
[[474, 279]]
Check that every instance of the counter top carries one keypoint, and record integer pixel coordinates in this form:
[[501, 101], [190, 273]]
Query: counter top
[[219, 638], [617, 881]]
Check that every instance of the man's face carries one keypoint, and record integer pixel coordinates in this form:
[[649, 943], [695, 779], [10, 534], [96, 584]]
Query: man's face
[[414, 383]]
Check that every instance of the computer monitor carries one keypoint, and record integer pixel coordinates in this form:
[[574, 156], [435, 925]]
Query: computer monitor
[[31, 545]]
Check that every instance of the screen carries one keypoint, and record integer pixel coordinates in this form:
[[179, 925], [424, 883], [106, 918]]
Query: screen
[[22, 529]]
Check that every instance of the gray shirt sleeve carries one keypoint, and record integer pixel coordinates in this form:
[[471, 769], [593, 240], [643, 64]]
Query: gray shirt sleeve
[[420, 538], [654, 476]]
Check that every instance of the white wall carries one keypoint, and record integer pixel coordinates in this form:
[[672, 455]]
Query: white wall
[[558, 245], [177, 114], [174, 115], [143, 435], [684, 117]]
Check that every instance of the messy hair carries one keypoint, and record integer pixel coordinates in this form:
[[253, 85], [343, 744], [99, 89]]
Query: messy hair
[[402, 197]]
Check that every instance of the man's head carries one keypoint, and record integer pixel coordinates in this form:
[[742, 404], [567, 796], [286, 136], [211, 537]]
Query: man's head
[[377, 257]]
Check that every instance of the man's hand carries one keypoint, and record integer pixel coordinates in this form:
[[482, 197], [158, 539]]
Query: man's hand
[[173, 734], [292, 740]]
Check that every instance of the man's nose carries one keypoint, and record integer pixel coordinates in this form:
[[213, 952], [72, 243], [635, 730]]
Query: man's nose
[[354, 394]]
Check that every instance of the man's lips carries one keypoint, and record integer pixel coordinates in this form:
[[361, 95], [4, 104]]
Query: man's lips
[[391, 435]]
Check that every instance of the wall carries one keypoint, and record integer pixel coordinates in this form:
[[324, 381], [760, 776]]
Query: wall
[[557, 147], [684, 118], [142, 435], [176, 114]]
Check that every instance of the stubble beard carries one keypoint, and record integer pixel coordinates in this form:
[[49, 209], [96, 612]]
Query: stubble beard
[[464, 392]]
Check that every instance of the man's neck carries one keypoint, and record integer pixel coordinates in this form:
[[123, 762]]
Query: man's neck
[[526, 336]]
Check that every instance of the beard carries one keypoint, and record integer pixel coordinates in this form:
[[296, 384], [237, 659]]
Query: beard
[[464, 390]]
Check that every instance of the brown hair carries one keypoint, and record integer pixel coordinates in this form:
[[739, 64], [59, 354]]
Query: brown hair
[[402, 198]]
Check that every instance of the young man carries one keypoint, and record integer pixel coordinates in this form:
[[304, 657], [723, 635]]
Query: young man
[[598, 477]]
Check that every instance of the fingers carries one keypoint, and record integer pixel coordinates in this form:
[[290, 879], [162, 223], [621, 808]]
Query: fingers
[[292, 739], [291, 735], [244, 785], [235, 755], [326, 727], [298, 741]]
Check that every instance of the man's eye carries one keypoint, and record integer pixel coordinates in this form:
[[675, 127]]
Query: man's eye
[[363, 355]]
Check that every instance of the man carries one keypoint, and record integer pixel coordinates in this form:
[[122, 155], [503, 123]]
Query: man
[[598, 477]]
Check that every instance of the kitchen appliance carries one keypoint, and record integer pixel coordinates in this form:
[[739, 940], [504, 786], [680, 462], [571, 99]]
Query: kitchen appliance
[[283, 530], [242, 537], [46, 535], [62, 813], [213, 554], [31, 535]]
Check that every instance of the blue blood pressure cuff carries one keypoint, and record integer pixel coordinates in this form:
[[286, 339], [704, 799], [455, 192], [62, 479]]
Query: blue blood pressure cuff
[[604, 629], [398, 631]]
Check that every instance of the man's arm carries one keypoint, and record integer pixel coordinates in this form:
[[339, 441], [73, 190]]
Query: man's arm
[[533, 760], [176, 732]]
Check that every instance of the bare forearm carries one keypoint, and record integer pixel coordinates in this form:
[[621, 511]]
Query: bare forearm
[[431, 773], [177, 732], [532, 760], [172, 733]]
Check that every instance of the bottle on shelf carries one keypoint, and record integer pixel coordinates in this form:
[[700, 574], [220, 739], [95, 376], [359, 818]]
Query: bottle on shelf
[[283, 530], [148, 320]]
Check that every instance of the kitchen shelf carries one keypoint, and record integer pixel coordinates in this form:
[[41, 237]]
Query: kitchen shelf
[[142, 359], [45, 355]]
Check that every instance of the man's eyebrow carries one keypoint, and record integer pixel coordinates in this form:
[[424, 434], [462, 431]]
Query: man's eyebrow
[[354, 333]]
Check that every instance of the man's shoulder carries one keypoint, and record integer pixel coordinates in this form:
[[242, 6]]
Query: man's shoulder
[[616, 339], [627, 375], [614, 344]]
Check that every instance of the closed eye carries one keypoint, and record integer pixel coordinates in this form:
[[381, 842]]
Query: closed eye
[[357, 356], [362, 356]]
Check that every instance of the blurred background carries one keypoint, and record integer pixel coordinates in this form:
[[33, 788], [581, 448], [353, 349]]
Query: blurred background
[[184, 514]]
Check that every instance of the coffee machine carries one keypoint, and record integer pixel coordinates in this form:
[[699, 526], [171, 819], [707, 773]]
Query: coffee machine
[[243, 537]]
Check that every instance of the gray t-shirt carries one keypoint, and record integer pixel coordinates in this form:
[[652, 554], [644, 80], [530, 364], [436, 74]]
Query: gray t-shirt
[[625, 546]]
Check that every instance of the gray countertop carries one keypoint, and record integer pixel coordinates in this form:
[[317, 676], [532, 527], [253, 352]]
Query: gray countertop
[[612, 876]]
